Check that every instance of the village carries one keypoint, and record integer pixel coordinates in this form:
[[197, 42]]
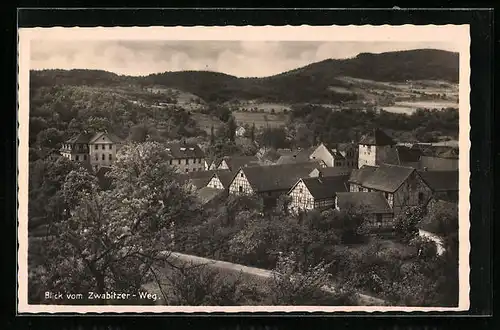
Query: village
[[375, 176]]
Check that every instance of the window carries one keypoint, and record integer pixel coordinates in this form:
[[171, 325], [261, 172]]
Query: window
[[199, 160], [378, 219], [103, 157], [77, 158], [84, 157], [300, 190], [187, 170], [110, 157], [187, 161], [96, 157], [179, 161], [170, 162], [110, 146], [241, 175], [240, 189], [96, 147]]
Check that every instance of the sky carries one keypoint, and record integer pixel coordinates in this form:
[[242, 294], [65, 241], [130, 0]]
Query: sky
[[238, 58]]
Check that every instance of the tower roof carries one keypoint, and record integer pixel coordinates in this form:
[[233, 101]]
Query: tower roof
[[377, 137]]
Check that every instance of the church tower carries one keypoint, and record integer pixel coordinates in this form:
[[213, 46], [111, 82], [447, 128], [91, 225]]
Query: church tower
[[376, 148]]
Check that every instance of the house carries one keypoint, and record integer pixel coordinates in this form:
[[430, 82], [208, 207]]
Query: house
[[372, 205], [269, 181], [329, 171], [440, 221], [185, 157], [220, 179], [98, 149], [233, 163], [376, 148], [316, 192], [350, 152], [240, 131], [103, 148], [443, 184], [402, 186], [195, 180]]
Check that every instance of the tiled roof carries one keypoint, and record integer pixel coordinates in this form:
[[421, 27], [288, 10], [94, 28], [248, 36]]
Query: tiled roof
[[334, 171], [441, 180], [365, 202], [207, 194], [388, 177], [437, 150], [377, 137], [184, 150], [360, 175], [408, 155], [296, 156], [225, 177], [90, 137], [196, 178], [334, 151], [326, 187], [235, 162], [81, 138], [277, 177]]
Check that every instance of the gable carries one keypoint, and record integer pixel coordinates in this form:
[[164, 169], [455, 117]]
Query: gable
[[101, 138], [300, 189]]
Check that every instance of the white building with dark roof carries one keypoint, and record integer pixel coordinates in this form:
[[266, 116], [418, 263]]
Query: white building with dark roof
[[186, 157], [97, 149]]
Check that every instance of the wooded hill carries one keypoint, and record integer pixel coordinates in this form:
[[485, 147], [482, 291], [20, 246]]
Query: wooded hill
[[306, 84]]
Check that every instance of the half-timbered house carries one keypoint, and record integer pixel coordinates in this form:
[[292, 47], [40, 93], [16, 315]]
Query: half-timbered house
[[316, 192]]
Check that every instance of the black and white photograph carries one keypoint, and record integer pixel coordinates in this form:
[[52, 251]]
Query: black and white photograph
[[227, 169]]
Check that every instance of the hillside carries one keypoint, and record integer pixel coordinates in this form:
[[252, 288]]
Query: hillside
[[310, 84]]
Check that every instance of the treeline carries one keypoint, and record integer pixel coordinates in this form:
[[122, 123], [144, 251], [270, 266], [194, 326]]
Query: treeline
[[59, 112], [309, 124]]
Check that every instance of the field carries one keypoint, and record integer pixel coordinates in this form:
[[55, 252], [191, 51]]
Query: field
[[205, 122], [259, 119]]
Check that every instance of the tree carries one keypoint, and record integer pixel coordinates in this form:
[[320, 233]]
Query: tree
[[200, 285], [114, 239], [252, 132], [289, 286], [405, 224], [212, 135], [139, 133], [231, 128], [50, 138]]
